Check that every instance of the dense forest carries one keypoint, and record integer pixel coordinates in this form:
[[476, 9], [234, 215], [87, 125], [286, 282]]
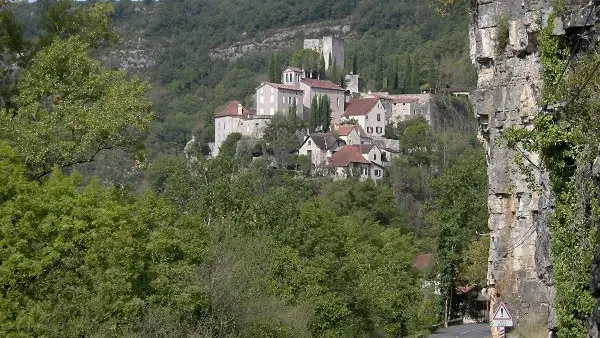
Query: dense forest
[[243, 245]]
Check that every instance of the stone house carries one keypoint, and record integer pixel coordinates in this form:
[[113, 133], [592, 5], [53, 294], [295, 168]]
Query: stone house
[[403, 108], [272, 98], [234, 118], [353, 160], [318, 147], [352, 134], [370, 115], [312, 87]]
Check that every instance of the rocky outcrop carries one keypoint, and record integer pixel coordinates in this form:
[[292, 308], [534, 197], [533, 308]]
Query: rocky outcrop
[[281, 38], [520, 201], [508, 90]]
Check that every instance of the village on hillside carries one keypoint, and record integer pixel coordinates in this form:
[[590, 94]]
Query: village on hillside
[[353, 142]]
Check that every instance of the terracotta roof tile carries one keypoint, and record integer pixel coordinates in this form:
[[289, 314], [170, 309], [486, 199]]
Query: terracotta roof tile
[[323, 84], [345, 129], [284, 86], [231, 109], [360, 107], [346, 155]]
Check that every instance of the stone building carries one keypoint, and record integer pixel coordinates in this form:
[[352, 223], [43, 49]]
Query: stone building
[[234, 118], [312, 87], [318, 147], [356, 160], [352, 134], [330, 47], [272, 98], [370, 115]]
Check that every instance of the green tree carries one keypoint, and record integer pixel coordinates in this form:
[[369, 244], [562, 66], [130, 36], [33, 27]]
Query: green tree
[[457, 211], [314, 117], [229, 146], [324, 107], [71, 108]]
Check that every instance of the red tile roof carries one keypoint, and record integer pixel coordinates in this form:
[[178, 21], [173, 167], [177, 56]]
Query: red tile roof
[[360, 107], [423, 262], [405, 99], [345, 129], [323, 84], [231, 109], [346, 155], [284, 86]]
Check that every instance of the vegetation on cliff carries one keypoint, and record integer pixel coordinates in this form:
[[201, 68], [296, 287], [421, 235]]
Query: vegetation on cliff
[[567, 140]]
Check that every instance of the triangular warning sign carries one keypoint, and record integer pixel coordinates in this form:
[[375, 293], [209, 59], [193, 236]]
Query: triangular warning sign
[[502, 317]]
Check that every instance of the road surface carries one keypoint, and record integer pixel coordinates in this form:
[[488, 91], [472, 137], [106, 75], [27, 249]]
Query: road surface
[[463, 331]]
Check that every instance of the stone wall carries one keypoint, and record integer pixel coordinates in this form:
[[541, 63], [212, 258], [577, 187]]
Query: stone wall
[[507, 94]]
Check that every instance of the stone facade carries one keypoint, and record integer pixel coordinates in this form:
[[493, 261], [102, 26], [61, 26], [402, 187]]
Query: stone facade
[[328, 46], [370, 114], [273, 98], [234, 118], [508, 89], [336, 95]]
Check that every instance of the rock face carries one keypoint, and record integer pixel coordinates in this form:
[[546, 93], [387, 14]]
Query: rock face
[[508, 90]]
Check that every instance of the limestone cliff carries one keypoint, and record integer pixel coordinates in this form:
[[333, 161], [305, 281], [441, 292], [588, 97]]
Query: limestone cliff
[[508, 90], [503, 47]]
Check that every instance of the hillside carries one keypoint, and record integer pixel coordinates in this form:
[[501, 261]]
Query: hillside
[[199, 54]]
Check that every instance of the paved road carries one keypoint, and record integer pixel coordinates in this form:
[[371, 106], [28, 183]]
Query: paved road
[[463, 331]]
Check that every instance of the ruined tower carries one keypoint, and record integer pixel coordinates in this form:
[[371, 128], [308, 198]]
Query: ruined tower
[[329, 47]]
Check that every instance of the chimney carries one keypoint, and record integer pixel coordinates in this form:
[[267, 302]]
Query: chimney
[[240, 109]]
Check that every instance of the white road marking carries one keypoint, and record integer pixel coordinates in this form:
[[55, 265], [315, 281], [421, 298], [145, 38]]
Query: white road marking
[[471, 330]]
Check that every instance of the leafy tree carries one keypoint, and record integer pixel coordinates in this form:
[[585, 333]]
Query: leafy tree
[[70, 109], [282, 138], [457, 211], [229, 146]]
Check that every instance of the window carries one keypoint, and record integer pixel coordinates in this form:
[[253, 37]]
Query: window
[[366, 117], [289, 100], [378, 130], [378, 117], [369, 129], [374, 157], [261, 90], [377, 173], [262, 98], [309, 142], [338, 102], [272, 99], [309, 154], [363, 171]]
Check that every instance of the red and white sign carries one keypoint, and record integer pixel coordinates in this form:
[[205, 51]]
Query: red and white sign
[[502, 317]]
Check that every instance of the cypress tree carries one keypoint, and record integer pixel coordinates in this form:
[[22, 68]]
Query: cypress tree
[[321, 67], [313, 120], [325, 107], [407, 75], [354, 64], [333, 75]]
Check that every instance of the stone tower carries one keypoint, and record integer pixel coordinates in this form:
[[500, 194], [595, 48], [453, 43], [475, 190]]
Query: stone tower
[[329, 47]]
